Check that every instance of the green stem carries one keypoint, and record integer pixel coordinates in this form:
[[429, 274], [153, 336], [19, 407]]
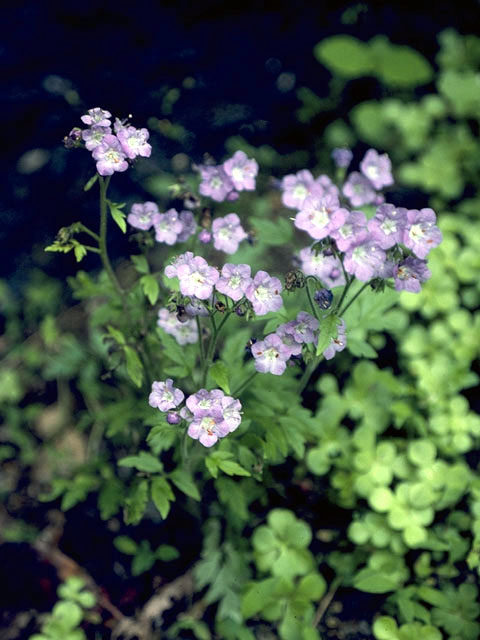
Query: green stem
[[310, 299], [246, 382], [91, 233], [348, 283], [353, 298], [102, 242], [307, 374], [89, 248], [201, 345]]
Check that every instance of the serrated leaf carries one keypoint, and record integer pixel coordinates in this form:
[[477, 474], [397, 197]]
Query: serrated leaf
[[162, 495], [212, 465], [219, 373], [232, 468], [141, 263], [134, 365], [183, 480], [79, 250], [136, 502], [110, 498], [143, 462], [327, 332], [89, 184], [118, 216], [150, 287]]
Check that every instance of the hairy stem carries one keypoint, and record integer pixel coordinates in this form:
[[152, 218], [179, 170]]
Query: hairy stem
[[102, 242]]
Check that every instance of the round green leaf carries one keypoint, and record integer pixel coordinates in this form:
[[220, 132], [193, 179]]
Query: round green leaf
[[381, 499], [358, 533], [345, 56], [385, 628], [414, 535], [263, 539], [422, 452]]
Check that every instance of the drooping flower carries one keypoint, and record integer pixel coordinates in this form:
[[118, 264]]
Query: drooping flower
[[342, 157], [167, 227], [189, 226], [197, 278], [358, 190], [143, 215], [320, 216], [97, 116], [271, 355], [228, 233], [264, 293], [234, 280], [421, 233], [110, 156], [336, 344], [183, 332], [195, 307], [241, 170], [377, 168], [411, 274], [324, 298], [165, 396], [388, 225]]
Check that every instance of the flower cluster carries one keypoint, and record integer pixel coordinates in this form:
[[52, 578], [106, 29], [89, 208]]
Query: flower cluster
[[111, 146], [377, 248], [223, 182], [184, 331], [210, 415], [275, 350], [170, 227]]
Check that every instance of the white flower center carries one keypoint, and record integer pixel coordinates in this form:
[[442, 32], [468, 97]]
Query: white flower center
[[235, 282], [237, 174], [319, 217], [262, 293], [389, 226], [300, 191]]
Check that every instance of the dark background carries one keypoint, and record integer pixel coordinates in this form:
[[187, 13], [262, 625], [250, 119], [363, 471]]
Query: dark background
[[124, 57]]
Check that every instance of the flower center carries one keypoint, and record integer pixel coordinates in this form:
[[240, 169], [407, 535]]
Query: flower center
[[235, 282], [262, 294]]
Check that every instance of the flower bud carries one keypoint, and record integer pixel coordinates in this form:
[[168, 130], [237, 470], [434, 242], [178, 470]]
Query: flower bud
[[323, 297]]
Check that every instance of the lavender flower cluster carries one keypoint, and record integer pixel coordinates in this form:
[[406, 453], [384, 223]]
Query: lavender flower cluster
[[371, 248], [211, 415], [224, 181], [111, 149]]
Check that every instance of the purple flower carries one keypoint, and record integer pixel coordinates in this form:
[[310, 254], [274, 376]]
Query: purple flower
[[215, 182], [410, 274], [143, 216], [171, 269], [234, 281], [109, 156], [197, 278], [203, 402], [377, 168], [195, 307], [242, 171], [173, 417], [189, 226], [388, 225], [183, 332], [228, 233], [319, 216], [207, 429], [167, 227], [364, 260], [354, 230], [212, 415], [358, 190], [304, 328], [421, 233], [285, 333], [264, 293], [337, 344], [164, 396], [232, 412], [204, 236], [296, 187], [342, 157], [323, 186], [134, 142], [271, 355], [324, 298], [93, 137], [97, 116], [327, 268]]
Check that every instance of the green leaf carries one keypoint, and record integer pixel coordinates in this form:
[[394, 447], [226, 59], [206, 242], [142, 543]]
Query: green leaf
[[219, 373], [258, 596], [143, 462], [136, 502], [183, 480], [79, 250], [162, 495], [110, 498], [134, 365], [328, 332], [373, 581], [167, 553], [232, 468], [399, 66], [116, 335], [89, 184], [125, 545], [118, 216], [144, 559], [150, 287], [141, 263], [68, 614], [345, 56], [273, 233]]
